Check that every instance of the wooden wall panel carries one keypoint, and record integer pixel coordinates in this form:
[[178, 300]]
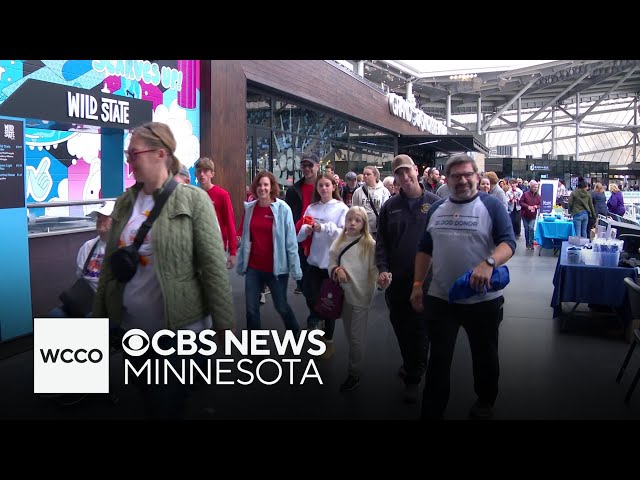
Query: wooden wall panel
[[320, 83], [224, 126]]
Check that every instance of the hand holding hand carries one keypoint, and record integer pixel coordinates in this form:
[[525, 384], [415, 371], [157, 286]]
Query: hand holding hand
[[384, 279]]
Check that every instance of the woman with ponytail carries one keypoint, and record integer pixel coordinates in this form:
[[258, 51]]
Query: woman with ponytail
[[181, 281]]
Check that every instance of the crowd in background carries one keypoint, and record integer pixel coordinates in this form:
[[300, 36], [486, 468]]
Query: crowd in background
[[360, 232]]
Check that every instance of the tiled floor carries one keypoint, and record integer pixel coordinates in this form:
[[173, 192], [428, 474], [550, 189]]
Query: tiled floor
[[544, 374]]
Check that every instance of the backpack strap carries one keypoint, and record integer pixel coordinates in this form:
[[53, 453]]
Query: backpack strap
[[373, 207]]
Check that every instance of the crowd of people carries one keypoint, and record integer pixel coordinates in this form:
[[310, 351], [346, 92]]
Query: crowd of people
[[523, 202], [405, 234]]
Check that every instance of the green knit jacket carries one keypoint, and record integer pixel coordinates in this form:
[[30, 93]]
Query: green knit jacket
[[188, 259], [579, 201]]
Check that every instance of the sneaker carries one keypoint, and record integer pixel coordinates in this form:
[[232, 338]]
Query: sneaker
[[297, 291], [351, 383], [263, 298], [411, 393], [481, 410]]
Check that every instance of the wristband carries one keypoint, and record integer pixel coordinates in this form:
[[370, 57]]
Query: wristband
[[417, 283]]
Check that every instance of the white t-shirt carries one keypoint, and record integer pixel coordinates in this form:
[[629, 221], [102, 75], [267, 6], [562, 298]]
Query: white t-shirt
[[92, 274], [142, 299]]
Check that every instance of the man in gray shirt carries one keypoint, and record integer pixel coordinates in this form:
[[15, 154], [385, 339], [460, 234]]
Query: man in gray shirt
[[469, 230]]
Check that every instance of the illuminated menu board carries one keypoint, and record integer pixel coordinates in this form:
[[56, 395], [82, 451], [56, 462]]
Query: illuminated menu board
[[11, 163]]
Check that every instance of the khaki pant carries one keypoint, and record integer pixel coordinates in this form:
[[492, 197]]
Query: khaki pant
[[355, 328]]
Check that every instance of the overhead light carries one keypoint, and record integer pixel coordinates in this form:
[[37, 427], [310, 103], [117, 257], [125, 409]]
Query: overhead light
[[463, 76], [420, 144]]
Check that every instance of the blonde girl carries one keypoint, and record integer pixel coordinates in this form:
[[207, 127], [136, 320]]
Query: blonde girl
[[357, 274]]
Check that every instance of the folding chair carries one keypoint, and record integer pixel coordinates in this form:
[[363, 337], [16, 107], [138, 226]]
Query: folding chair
[[633, 290]]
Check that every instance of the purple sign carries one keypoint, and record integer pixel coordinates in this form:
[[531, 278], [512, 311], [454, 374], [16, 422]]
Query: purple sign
[[546, 192]]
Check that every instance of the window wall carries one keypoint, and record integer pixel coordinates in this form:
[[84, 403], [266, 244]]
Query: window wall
[[280, 131], [567, 170]]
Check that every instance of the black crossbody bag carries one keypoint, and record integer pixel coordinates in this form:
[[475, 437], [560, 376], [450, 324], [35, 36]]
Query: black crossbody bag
[[77, 300], [124, 261]]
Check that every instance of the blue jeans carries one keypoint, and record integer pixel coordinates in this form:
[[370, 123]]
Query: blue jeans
[[303, 266], [60, 312], [528, 230], [580, 222], [253, 282]]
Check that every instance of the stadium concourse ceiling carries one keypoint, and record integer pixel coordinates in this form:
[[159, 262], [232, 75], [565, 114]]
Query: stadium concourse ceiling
[[538, 85]]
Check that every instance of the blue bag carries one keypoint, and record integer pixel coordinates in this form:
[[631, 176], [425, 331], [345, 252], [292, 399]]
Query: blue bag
[[461, 288]]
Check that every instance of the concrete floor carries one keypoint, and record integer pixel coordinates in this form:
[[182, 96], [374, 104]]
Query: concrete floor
[[545, 374]]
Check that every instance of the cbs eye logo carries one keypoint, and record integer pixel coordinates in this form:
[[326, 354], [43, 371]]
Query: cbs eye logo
[[135, 342]]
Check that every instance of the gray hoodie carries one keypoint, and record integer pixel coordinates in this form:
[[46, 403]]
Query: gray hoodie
[[377, 196]]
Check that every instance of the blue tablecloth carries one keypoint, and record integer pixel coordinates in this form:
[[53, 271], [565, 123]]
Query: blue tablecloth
[[551, 234], [590, 284]]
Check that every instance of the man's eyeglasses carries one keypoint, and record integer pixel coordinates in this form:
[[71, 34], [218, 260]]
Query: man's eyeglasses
[[458, 176], [132, 155], [306, 165]]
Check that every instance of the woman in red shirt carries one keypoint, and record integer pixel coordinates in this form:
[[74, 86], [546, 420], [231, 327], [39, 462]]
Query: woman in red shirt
[[268, 251]]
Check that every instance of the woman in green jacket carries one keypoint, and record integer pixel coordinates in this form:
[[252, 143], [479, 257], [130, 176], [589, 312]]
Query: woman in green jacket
[[580, 208], [181, 281]]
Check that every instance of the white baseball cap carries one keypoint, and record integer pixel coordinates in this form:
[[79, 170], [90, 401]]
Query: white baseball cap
[[106, 208]]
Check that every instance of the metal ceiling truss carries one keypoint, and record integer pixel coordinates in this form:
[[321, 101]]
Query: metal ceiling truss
[[557, 84]]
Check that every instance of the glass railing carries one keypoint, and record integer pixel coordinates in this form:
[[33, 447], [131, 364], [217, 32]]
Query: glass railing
[[59, 218]]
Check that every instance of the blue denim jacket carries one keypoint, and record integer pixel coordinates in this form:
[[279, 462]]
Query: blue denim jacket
[[285, 243]]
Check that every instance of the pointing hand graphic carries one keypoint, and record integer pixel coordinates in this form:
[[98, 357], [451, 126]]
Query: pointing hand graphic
[[39, 181]]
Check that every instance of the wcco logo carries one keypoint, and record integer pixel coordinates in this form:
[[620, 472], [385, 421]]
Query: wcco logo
[[71, 355], [67, 355]]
